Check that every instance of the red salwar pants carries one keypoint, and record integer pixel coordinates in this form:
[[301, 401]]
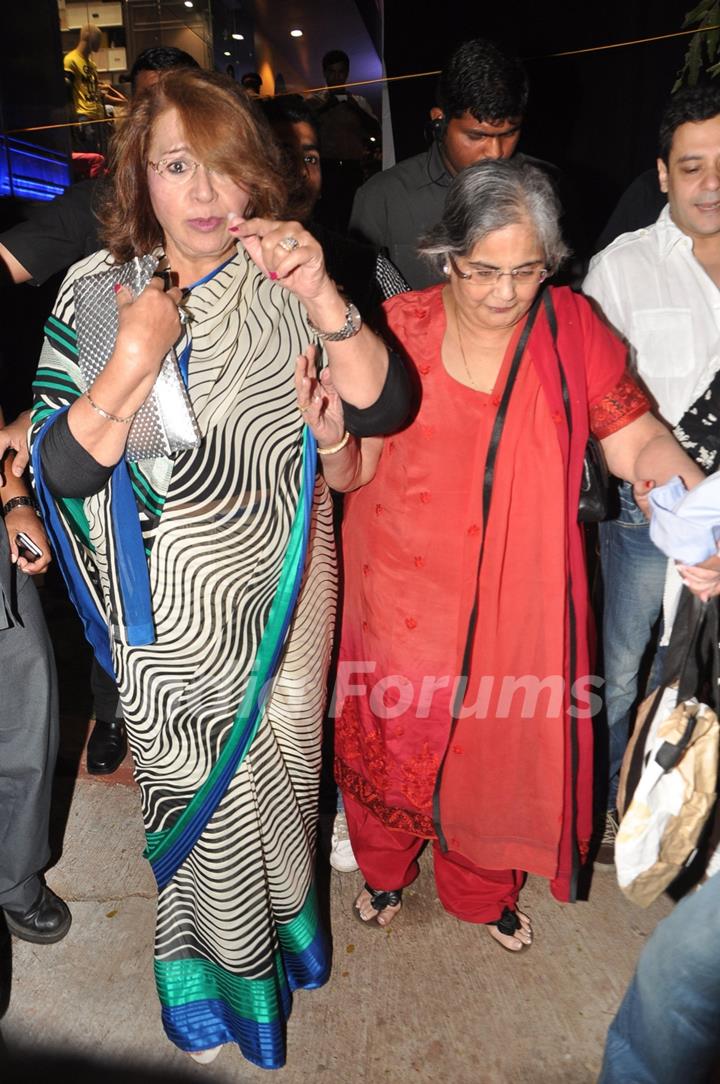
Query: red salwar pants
[[388, 860]]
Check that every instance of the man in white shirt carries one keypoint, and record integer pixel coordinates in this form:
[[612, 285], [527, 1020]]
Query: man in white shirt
[[658, 287]]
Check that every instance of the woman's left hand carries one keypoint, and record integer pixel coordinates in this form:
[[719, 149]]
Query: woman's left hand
[[318, 401], [26, 520], [285, 252]]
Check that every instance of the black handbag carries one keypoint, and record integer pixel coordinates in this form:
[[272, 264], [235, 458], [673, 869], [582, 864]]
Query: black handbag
[[595, 481]]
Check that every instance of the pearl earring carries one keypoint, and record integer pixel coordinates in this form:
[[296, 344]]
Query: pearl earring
[[446, 269]]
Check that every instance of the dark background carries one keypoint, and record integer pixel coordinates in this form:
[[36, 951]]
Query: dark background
[[595, 115]]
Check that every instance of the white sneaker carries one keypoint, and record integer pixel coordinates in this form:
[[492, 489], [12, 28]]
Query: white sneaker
[[341, 852], [204, 1057]]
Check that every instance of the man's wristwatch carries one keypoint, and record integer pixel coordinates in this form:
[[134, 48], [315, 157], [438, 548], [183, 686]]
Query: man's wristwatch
[[353, 323], [20, 502]]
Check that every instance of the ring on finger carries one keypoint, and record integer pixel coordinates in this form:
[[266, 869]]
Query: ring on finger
[[289, 243]]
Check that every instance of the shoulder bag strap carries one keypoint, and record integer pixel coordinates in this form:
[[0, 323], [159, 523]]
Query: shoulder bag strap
[[486, 505], [487, 491]]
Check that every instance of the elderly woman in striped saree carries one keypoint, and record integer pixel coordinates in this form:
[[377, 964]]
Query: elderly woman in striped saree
[[206, 581]]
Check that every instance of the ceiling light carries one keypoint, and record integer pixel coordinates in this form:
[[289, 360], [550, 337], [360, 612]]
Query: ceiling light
[[237, 37], [296, 33], [227, 53], [188, 3]]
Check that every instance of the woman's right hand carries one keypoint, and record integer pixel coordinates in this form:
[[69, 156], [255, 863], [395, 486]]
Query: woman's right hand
[[149, 326]]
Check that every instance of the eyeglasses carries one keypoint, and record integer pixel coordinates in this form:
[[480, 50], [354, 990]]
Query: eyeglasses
[[179, 168], [490, 276]]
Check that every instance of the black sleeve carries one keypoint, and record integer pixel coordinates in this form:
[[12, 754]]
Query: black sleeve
[[391, 410], [639, 205], [57, 234], [69, 470]]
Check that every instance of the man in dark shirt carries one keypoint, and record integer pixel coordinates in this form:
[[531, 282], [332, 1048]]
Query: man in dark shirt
[[482, 96]]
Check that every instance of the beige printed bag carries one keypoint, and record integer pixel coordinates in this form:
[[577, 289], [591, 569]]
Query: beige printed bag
[[674, 751]]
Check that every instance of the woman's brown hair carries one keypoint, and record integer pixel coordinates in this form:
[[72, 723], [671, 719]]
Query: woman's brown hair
[[226, 132]]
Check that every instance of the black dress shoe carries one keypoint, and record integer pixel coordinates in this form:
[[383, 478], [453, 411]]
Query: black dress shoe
[[47, 921], [107, 747]]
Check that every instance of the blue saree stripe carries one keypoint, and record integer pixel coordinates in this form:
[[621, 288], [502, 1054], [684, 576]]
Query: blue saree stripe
[[204, 1023], [92, 618], [130, 561], [309, 969], [168, 861], [200, 1025]]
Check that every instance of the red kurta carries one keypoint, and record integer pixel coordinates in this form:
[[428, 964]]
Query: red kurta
[[515, 790]]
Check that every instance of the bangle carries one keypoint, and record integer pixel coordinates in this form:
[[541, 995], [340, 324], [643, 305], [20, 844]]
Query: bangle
[[335, 447], [19, 502], [106, 413]]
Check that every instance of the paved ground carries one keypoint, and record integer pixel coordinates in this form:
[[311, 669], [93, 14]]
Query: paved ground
[[430, 1000]]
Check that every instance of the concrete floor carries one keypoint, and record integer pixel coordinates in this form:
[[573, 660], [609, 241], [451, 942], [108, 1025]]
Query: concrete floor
[[429, 1000]]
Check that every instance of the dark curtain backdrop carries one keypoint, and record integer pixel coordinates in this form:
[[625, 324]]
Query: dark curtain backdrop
[[594, 115]]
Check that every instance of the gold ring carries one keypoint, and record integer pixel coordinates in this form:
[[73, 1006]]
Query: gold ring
[[289, 244], [303, 409]]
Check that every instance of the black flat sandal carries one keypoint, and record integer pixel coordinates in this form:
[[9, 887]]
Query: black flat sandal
[[379, 901], [508, 924]]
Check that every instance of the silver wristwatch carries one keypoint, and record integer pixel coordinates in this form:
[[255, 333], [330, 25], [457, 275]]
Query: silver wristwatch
[[353, 323]]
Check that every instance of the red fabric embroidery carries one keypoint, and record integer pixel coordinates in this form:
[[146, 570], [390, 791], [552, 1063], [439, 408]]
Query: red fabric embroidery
[[403, 820], [352, 741], [618, 408], [419, 775]]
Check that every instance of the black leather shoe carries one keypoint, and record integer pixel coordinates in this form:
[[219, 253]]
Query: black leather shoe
[[107, 747], [48, 919]]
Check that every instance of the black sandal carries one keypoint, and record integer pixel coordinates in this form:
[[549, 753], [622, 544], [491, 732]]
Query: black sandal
[[379, 901], [508, 924]]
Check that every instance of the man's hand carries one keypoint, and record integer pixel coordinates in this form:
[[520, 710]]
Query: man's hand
[[26, 520], [14, 438], [703, 580]]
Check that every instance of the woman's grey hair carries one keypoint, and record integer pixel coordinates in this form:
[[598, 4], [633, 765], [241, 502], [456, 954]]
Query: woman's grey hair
[[488, 196]]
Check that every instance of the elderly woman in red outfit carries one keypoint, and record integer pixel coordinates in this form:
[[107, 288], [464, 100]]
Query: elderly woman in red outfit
[[464, 700]]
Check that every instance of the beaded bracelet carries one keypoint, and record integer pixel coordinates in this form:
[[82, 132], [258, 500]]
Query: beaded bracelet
[[335, 447], [106, 413]]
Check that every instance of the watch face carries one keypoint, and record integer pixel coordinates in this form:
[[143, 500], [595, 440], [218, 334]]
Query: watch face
[[354, 318]]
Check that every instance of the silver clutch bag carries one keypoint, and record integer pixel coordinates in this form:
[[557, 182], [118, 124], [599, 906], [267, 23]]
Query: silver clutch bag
[[165, 423]]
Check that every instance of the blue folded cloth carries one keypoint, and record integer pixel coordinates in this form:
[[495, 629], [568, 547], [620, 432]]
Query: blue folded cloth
[[685, 525]]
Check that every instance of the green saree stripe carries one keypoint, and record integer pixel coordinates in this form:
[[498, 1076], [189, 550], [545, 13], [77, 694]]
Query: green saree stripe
[[53, 378], [53, 324], [40, 412], [180, 982], [183, 981], [50, 385], [148, 497], [74, 508], [62, 336], [296, 935]]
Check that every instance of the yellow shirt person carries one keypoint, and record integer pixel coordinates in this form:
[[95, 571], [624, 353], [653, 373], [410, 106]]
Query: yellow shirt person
[[87, 100]]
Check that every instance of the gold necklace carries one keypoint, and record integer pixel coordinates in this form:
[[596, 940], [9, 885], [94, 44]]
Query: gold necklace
[[462, 351]]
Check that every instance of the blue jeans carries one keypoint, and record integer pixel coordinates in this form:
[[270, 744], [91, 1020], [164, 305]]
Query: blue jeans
[[633, 581], [667, 1029]]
